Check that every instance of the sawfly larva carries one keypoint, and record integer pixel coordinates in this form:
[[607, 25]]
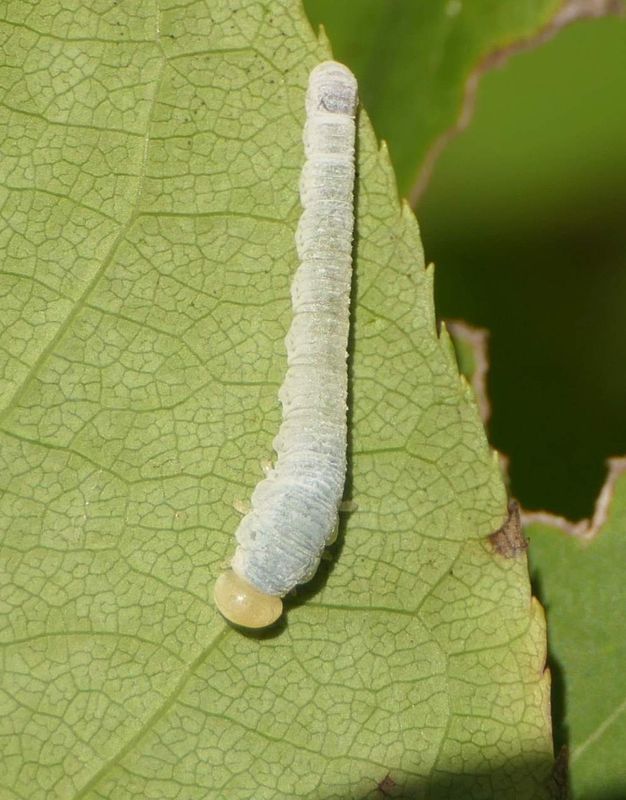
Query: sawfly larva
[[294, 509]]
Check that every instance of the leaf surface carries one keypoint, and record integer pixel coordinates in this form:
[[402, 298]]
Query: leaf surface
[[150, 190], [582, 584]]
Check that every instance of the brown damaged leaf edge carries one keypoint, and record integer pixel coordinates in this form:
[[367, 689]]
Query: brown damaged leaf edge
[[570, 11], [509, 540]]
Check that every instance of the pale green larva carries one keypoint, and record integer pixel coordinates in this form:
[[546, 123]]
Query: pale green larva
[[295, 507]]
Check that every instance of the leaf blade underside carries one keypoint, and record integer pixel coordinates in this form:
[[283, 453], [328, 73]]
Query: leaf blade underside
[[152, 194]]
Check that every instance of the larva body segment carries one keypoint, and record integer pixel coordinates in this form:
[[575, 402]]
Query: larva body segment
[[294, 509]]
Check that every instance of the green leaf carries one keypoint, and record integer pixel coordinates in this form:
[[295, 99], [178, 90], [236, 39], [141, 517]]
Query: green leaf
[[580, 577], [150, 187], [517, 204], [418, 63], [577, 569]]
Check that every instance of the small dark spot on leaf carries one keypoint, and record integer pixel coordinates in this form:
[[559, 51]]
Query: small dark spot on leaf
[[509, 540], [387, 785]]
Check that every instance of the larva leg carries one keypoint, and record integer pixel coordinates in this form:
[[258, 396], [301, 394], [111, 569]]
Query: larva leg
[[267, 466], [241, 507], [345, 507], [332, 538]]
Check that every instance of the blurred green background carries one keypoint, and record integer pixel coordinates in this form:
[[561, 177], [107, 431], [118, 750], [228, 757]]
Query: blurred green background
[[524, 217]]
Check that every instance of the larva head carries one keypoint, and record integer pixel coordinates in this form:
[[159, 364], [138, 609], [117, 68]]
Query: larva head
[[242, 604], [332, 87]]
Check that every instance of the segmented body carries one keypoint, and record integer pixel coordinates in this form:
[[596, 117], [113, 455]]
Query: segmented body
[[295, 507]]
